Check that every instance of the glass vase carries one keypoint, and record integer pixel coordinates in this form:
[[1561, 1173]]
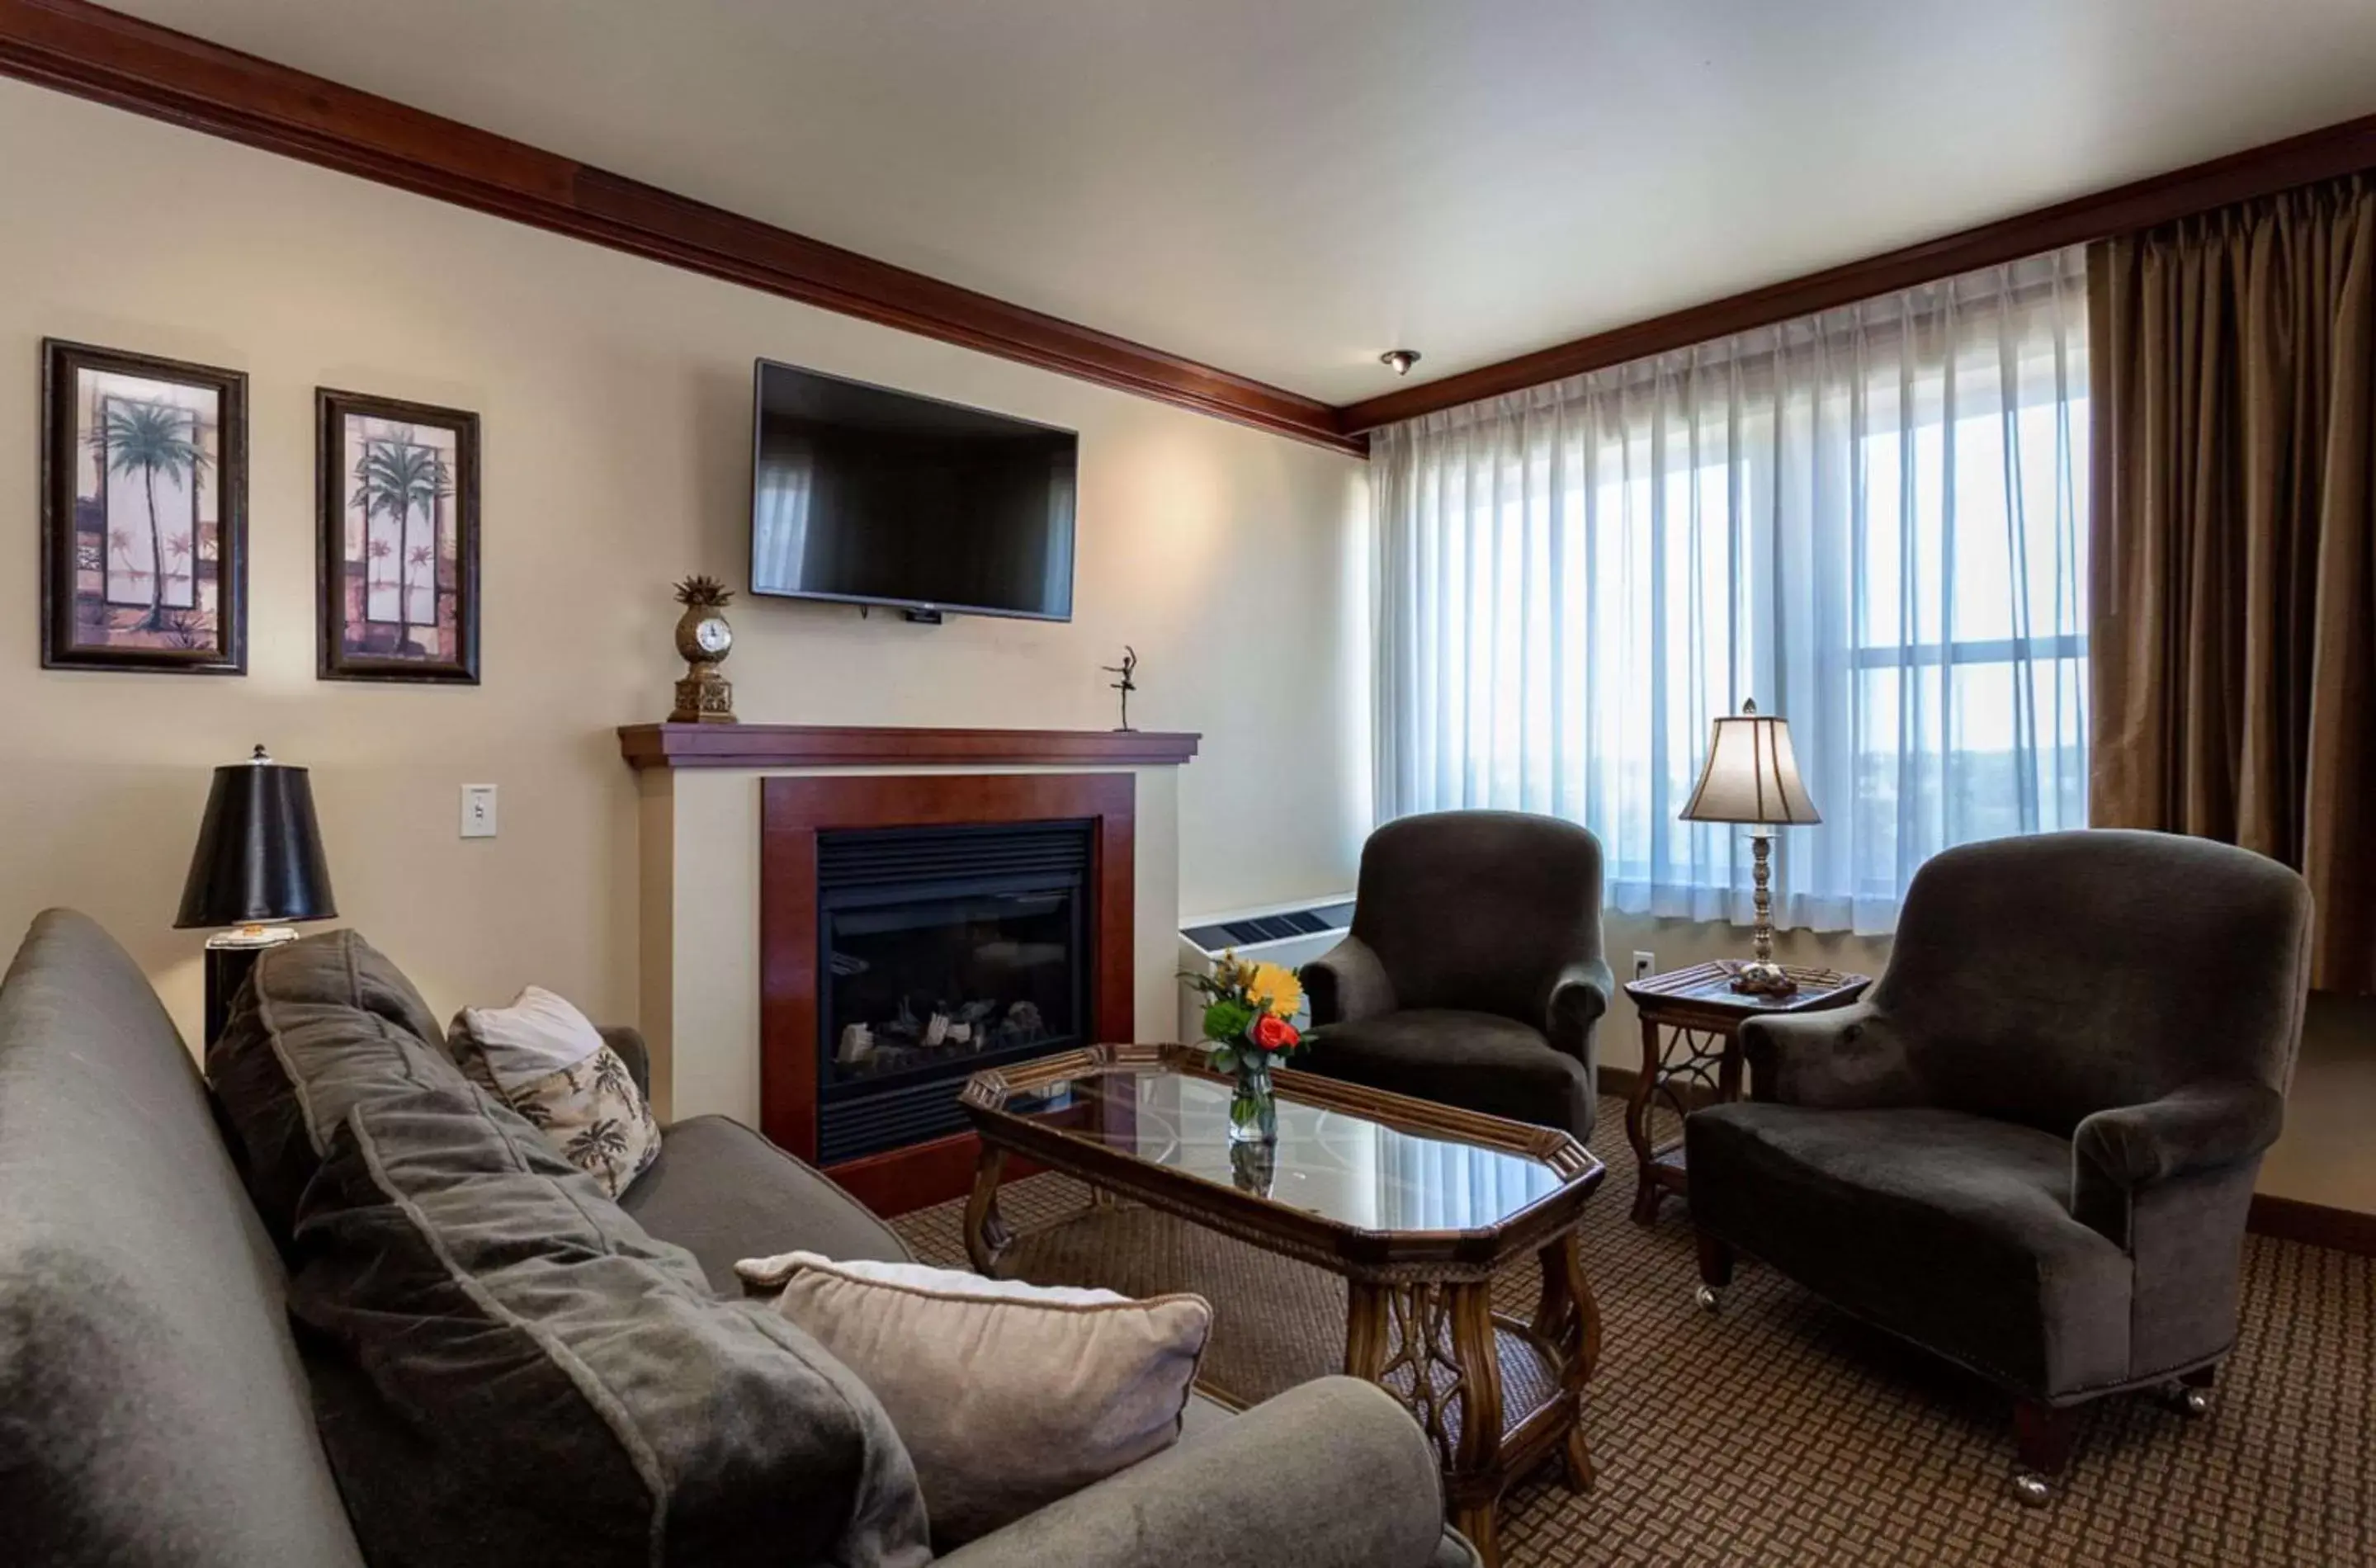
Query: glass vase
[[1253, 1114]]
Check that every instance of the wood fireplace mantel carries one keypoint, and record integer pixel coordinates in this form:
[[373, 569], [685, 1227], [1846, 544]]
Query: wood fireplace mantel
[[843, 746]]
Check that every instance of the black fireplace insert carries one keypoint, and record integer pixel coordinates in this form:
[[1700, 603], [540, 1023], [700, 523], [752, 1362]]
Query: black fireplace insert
[[943, 950]]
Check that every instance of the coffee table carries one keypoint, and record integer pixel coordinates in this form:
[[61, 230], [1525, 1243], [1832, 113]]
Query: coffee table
[[1419, 1206]]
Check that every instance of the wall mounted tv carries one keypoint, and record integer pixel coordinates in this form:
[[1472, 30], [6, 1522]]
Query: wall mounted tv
[[863, 495]]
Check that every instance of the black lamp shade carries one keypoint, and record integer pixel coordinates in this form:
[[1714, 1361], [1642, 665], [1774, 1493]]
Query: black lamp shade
[[259, 854]]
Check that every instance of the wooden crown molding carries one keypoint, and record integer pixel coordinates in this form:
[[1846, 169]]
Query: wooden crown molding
[[82, 49], [2261, 171], [856, 745]]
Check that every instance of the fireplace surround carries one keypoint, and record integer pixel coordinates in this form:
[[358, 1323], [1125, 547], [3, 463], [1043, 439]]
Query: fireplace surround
[[915, 927]]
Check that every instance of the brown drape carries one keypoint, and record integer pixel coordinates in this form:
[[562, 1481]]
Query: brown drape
[[2233, 367]]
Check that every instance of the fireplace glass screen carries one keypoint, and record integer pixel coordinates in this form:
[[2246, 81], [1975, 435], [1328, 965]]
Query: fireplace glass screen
[[943, 950]]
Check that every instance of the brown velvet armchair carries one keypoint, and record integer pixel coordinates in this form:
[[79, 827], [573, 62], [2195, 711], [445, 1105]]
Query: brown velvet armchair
[[1473, 975], [2030, 1150]]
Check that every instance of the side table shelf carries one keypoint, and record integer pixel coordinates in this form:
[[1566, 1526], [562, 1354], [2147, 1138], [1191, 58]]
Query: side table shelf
[[1691, 1024]]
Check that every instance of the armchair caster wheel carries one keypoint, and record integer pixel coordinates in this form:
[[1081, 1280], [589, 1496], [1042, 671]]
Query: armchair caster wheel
[[2031, 1490], [1709, 1301], [2192, 1403]]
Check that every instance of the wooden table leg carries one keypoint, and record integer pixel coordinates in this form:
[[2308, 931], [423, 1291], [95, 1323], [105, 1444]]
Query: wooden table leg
[[986, 1233], [1433, 1347], [1646, 1191], [1569, 1316]]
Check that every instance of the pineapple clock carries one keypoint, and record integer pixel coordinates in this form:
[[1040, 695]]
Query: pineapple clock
[[703, 697]]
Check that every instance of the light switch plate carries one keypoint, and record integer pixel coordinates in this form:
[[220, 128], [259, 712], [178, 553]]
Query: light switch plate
[[478, 811]]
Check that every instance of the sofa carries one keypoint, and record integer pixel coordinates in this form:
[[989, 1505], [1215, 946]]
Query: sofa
[[167, 1382]]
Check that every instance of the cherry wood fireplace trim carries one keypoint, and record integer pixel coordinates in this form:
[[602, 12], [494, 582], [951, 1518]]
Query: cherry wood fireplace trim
[[841, 745], [792, 813]]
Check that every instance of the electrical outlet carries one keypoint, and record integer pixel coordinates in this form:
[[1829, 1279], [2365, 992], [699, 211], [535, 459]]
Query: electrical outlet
[[478, 811], [1644, 965]]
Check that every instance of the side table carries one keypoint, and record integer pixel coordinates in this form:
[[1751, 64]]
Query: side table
[[1691, 1024]]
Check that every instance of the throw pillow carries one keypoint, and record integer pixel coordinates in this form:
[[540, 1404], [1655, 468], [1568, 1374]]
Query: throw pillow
[[547, 1061], [321, 1026], [1008, 1395], [508, 1370]]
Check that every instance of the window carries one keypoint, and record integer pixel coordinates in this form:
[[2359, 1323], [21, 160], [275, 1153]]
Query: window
[[1870, 521]]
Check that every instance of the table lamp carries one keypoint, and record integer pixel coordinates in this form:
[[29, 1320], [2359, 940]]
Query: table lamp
[[258, 860], [1752, 775]]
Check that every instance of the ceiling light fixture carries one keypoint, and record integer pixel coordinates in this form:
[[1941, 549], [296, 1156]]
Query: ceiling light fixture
[[1399, 361]]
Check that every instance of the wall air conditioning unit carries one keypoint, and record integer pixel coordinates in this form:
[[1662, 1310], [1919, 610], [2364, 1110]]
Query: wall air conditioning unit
[[1291, 934]]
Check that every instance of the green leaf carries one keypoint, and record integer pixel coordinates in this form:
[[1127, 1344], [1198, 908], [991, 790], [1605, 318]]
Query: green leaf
[[1223, 1059]]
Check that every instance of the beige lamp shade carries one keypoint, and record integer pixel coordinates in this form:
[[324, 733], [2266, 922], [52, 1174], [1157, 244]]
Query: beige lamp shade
[[1751, 774]]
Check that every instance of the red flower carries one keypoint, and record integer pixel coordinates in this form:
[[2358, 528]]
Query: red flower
[[1275, 1033]]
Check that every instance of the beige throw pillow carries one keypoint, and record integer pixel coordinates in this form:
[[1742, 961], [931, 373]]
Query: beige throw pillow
[[546, 1060], [1008, 1395]]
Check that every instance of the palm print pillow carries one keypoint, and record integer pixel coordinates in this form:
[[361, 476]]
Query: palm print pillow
[[545, 1059]]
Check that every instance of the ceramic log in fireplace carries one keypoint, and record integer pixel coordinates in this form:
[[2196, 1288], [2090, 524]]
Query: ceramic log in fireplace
[[916, 929]]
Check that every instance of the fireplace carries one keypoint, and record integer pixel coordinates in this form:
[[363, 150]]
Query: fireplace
[[916, 929], [943, 950]]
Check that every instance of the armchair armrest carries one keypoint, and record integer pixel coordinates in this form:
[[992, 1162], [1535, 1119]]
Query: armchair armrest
[[1579, 998], [1346, 984], [2199, 1127], [1265, 1489], [1845, 1059], [628, 1042]]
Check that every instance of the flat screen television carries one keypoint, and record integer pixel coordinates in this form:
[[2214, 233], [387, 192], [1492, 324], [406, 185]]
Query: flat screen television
[[863, 495]]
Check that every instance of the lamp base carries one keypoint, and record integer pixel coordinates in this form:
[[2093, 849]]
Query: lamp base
[[253, 936], [230, 955], [1762, 977]]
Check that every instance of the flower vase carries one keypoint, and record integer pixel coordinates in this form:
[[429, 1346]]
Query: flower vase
[[1254, 1167], [1253, 1114]]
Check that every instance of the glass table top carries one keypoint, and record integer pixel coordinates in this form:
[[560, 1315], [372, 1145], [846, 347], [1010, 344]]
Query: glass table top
[[1335, 1163]]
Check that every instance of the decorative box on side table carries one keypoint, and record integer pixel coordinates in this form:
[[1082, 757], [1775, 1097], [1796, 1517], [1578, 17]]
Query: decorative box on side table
[[1691, 1024]]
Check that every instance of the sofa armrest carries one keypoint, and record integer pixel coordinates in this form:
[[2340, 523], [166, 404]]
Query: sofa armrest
[[2201, 1126], [1265, 1489], [1844, 1058], [1579, 998], [628, 1042], [1346, 984]]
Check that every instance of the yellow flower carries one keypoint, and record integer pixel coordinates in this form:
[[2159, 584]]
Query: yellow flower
[[1275, 987]]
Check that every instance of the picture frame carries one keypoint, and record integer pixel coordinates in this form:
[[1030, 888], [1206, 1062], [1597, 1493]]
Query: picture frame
[[144, 513], [397, 561]]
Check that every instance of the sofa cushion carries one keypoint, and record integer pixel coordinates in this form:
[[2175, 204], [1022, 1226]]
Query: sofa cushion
[[1479, 1061], [322, 1025], [152, 1408], [511, 1371], [721, 1191], [1952, 1230], [1008, 1395]]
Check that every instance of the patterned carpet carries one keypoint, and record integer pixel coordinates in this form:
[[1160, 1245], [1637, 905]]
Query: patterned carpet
[[1780, 1432]]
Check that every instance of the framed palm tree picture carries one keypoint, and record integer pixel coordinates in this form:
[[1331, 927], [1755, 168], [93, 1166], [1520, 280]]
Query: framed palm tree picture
[[144, 513], [398, 567]]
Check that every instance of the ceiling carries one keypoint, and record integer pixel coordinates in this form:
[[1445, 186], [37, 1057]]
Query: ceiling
[[1285, 188]]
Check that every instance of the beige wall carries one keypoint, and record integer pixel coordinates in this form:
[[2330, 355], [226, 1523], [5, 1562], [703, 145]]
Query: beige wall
[[614, 396]]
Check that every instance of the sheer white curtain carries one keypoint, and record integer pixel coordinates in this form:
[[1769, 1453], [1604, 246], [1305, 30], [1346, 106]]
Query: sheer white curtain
[[1873, 521]]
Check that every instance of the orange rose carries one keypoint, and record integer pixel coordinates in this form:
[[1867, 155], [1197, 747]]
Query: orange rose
[[1275, 1033]]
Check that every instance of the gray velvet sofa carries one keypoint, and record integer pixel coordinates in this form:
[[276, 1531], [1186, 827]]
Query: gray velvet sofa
[[2030, 1150], [1473, 975], [157, 1407]]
